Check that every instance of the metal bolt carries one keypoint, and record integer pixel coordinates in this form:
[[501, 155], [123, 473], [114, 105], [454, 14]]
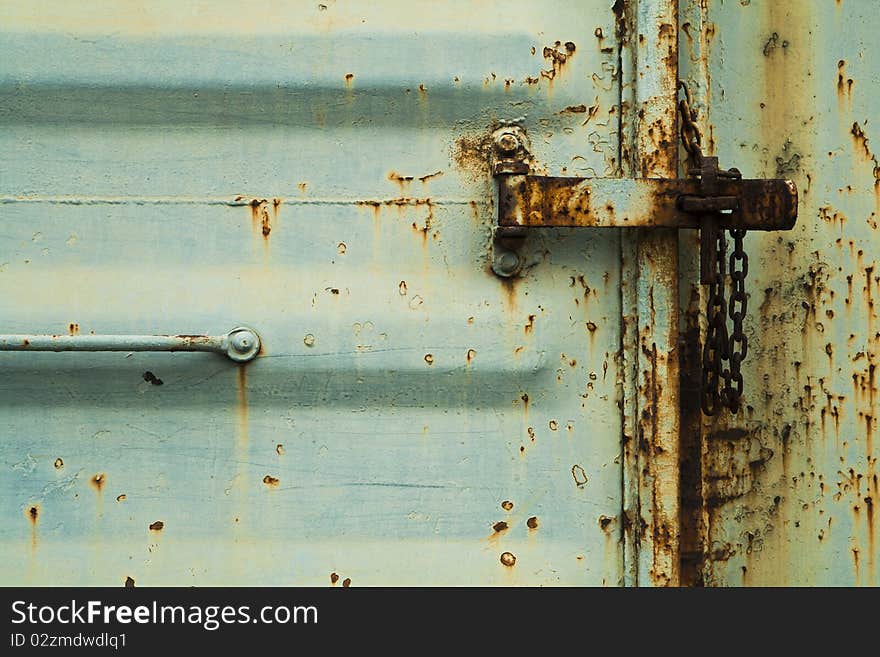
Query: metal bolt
[[243, 345], [507, 142], [506, 263]]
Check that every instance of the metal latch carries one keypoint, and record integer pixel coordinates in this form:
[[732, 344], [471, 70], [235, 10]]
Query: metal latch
[[709, 199]]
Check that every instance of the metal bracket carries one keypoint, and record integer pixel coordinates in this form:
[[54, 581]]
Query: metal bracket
[[528, 201]]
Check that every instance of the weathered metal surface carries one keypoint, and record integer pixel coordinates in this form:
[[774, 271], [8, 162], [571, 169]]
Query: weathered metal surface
[[643, 202], [240, 344], [317, 171], [789, 488], [650, 386]]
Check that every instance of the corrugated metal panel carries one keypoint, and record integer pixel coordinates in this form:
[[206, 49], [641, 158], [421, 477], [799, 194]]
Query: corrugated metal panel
[[317, 172]]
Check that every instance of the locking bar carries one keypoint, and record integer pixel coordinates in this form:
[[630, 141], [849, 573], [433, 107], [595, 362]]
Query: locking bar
[[240, 344], [546, 201]]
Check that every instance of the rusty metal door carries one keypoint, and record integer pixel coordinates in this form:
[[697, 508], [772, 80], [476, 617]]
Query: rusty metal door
[[784, 494], [318, 172]]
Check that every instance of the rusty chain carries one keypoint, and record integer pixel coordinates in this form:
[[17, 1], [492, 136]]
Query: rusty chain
[[723, 352]]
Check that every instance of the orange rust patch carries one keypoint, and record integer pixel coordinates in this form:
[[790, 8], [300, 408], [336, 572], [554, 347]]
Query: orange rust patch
[[400, 179], [508, 559], [157, 526], [348, 79], [507, 505], [271, 482], [471, 354], [121, 498], [499, 526], [557, 55], [260, 214], [98, 481], [33, 513], [530, 325], [73, 328], [471, 154], [532, 523]]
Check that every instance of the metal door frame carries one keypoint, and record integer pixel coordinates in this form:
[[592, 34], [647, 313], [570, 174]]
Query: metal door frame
[[648, 47]]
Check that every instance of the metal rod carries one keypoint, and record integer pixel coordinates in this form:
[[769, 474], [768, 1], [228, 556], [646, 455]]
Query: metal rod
[[241, 344]]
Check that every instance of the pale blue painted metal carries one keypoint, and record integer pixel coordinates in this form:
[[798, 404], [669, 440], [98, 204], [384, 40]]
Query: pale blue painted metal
[[317, 172], [791, 90]]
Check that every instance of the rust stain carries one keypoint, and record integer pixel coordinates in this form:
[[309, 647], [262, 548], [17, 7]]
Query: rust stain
[[424, 179], [98, 481], [402, 288], [157, 526], [471, 154], [471, 354], [532, 523], [554, 425], [59, 463], [341, 248], [302, 186], [129, 582], [32, 513], [844, 85], [349, 77], [579, 475], [508, 559], [509, 289], [334, 578], [279, 449], [557, 55], [271, 482], [507, 505], [346, 582], [121, 498], [429, 359], [402, 180], [530, 325], [260, 215], [499, 526], [73, 328]]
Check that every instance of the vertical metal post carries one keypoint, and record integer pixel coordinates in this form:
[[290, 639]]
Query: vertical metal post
[[648, 30]]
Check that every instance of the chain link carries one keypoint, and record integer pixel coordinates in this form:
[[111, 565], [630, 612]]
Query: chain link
[[723, 353]]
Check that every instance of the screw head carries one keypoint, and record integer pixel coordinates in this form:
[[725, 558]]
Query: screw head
[[507, 142]]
